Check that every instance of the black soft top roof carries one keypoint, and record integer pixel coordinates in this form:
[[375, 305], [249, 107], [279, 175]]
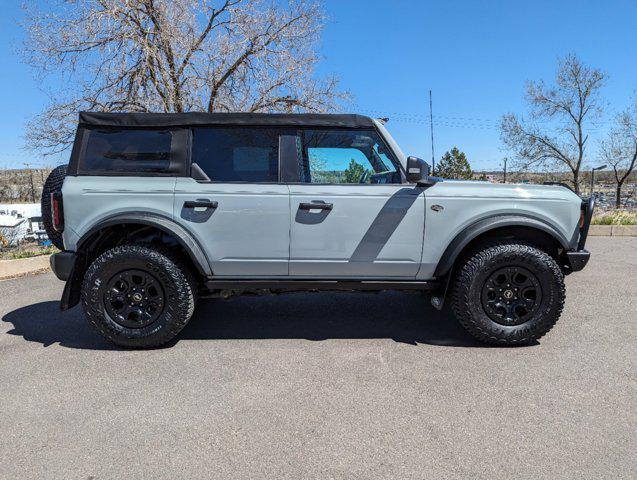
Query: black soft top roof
[[98, 119]]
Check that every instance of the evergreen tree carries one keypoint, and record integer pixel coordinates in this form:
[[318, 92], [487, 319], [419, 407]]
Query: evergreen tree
[[354, 172], [454, 164]]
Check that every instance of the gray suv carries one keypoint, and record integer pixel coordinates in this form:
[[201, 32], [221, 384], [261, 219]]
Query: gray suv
[[156, 211]]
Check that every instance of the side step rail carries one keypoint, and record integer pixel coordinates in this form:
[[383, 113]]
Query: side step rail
[[313, 285]]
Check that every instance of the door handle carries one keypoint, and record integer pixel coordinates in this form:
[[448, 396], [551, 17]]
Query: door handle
[[315, 206], [200, 204]]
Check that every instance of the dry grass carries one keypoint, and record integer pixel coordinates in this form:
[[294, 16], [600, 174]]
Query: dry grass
[[26, 251], [616, 217]]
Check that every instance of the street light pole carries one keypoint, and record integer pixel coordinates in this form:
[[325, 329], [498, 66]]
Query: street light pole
[[601, 167]]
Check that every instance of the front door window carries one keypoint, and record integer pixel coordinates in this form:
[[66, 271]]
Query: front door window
[[346, 157]]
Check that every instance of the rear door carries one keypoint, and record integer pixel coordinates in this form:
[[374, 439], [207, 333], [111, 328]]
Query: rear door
[[351, 217], [241, 217]]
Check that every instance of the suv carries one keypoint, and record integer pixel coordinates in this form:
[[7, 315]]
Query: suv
[[156, 211]]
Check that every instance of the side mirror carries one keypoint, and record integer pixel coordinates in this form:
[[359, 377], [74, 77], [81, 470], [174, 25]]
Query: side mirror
[[418, 171]]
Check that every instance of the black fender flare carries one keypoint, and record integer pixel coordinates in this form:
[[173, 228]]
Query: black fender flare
[[165, 224], [479, 227], [71, 294]]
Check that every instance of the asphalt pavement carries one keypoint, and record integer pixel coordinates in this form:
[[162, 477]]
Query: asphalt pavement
[[330, 385]]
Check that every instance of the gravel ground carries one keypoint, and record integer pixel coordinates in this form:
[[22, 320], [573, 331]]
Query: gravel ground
[[324, 386]]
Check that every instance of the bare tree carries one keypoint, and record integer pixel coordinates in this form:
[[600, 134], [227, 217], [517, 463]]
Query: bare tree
[[174, 56], [9, 236], [21, 185], [554, 133], [619, 149]]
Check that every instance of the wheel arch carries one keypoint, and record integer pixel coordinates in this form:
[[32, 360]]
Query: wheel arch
[[529, 229], [166, 225], [131, 228]]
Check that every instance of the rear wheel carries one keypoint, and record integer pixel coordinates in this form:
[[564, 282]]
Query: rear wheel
[[137, 296], [508, 294]]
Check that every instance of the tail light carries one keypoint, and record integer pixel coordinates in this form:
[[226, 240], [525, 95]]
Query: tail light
[[57, 211]]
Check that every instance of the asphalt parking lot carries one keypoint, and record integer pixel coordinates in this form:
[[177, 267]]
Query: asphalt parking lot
[[324, 386]]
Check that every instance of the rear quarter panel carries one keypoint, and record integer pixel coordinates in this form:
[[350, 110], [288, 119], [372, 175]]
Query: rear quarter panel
[[91, 199], [465, 203]]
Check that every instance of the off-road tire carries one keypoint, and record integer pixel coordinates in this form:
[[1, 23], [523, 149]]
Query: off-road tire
[[53, 184], [475, 270], [176, 280]]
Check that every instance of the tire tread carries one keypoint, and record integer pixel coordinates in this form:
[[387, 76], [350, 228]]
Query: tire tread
[[186, 297], [52, 184], [461, 291]]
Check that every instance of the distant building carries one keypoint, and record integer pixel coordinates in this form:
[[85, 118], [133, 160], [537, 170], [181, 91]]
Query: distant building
[[21, 221], [13, 229]]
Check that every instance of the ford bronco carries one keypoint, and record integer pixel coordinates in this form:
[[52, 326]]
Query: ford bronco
[[156, 211]]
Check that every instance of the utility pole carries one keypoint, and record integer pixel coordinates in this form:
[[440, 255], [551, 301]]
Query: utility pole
[[505, 170], [28, 166], [431, 123]]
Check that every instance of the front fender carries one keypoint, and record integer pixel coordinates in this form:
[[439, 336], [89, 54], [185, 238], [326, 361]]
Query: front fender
[[476, 229]]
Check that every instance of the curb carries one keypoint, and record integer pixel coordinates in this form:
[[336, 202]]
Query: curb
[[624, 231], [24, 266], [612, 231]]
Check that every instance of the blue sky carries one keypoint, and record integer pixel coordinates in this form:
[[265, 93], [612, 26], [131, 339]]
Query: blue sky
[[475, 55]]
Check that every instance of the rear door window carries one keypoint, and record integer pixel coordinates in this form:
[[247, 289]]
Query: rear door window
[[238, 154], [132, 151]]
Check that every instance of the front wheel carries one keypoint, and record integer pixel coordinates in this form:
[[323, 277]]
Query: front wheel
[[137, 296], [509, 294]]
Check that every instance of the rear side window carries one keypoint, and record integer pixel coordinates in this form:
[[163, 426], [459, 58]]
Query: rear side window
[[239, 154], [113, 151]]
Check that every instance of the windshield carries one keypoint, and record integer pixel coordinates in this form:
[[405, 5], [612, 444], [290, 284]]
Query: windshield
[[392, 143]]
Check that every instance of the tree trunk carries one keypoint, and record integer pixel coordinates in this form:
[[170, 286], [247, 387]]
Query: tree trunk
[[576, 181], [618, 195]]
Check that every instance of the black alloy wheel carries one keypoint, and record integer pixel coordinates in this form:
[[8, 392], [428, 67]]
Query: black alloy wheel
[[134, 298], [511, 295]]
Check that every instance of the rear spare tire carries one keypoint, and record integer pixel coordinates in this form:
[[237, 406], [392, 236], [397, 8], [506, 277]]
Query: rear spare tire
[[53, 184]]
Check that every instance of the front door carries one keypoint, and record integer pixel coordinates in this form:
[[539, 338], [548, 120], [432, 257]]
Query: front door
[[241, 217], [350, 215]]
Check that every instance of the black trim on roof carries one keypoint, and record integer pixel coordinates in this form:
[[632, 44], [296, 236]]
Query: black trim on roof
[[98, 119]]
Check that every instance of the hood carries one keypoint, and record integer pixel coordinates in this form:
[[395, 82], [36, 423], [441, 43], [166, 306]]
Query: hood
[[473, 188]]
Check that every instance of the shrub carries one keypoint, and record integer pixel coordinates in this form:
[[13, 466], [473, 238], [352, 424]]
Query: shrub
[[618, 217]]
